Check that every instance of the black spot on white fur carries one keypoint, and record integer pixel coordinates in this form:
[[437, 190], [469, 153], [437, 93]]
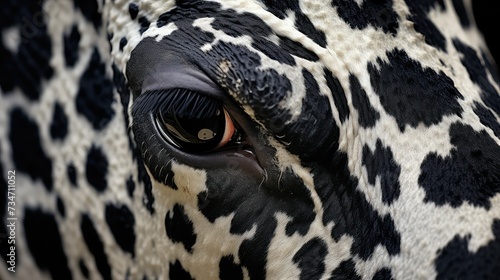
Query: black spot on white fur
[[380, 163], [148, 198], [71, 170], [95, 94], [383, 274], [180, 228], [302, 22], [412, 94], [338, 94], [178, 272], [477, 73], [351, 213], [419, 11], [345, 271], [456, 261], [130, 187], [313, 136], [29, 66], [487, 118], [123, 43], [95, 246], [121, 222], [27, 151], [96, 169], [378, 14], [83, 269], [311, 259], [71, 46], [133, 10], [367, 116], [59, 124], [461, 13], [470, 173], [144, 22], [229, 270], [45, 243], [60, 207], [90, 10], [254, 205]]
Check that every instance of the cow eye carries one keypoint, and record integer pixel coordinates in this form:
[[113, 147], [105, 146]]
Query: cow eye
[[194, 122]]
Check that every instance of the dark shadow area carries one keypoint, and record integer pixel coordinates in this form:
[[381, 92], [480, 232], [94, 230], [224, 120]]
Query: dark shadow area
[[487, 15]]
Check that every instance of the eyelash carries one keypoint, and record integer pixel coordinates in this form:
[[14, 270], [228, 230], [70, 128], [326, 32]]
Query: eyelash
[[192, 121]]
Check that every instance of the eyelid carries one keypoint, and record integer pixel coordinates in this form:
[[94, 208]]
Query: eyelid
[[191, 79]]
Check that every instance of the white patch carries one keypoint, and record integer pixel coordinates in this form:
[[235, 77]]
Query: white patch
[[11, 38]]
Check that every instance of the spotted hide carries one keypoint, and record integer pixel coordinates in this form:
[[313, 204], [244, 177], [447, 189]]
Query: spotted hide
[[237, 139]]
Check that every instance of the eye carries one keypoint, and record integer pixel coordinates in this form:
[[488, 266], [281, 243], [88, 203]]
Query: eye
[[195, 122]]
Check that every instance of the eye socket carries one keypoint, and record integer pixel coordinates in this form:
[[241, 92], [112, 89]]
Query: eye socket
[[195, 122]]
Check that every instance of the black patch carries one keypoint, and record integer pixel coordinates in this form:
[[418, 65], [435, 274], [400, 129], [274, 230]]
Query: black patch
[[304, 25], [148, 199], [130, 187], [378, 14], [83, 269], [412, 94], [477, 73], [313, 136], [90, 10], [423, 25], [121, 222], [254, 205], [351, 213], [297, 49], [123, 43], [381, 163], [490, 64], [470, 173], [180, 228], [461, 13], [486, 19], [71, 170], [133, 10], [273, 51], [59, 124], [95, 246], [60, 207], [31, 64], [96, 169], [367, 116], [95, 94], [45, 243], [455, 261], [383, 274], [338, 94], [311, 259], [345, 271], [27, 151], [144, 22], [176, 271], [71, 46], [302, 22], [120, 85], [487, 118], [229, 270], [235, 25]]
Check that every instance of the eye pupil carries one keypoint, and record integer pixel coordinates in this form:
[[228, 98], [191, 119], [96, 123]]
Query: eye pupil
[[191, 120]]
